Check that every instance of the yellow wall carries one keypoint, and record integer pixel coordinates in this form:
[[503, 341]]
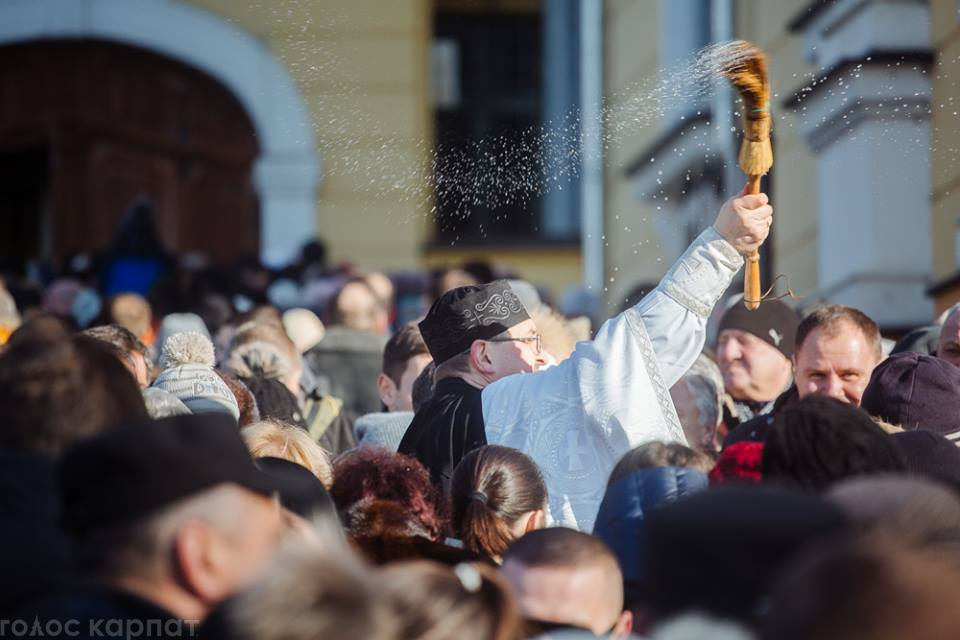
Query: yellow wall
[[488, 6], [555, 268], [631, 257], [361, 66]]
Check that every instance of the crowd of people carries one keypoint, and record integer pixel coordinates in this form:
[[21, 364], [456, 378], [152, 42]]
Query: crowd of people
[[321, 453]]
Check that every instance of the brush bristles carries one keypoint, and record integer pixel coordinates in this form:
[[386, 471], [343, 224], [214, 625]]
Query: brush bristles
[[756, 158], [747, 72], [756, 154]]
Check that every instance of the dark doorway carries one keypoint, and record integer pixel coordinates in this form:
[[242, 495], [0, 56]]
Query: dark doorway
[[24, 181]]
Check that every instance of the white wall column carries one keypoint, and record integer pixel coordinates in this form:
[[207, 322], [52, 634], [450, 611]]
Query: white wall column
[[867, 122]]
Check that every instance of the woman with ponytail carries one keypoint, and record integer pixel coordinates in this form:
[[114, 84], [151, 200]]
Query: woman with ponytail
[[498, 495]]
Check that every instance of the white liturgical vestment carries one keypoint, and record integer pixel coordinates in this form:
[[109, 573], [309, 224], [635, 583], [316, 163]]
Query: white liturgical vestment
[[577, 419]]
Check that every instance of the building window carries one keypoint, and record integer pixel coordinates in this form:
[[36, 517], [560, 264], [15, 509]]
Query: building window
[[487, 108]]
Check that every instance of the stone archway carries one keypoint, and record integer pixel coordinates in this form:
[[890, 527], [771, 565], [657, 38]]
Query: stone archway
[[286, 171]]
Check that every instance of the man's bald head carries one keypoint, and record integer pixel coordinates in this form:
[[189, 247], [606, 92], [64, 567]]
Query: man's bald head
[[382, 285], [357, 306], [132, 312], [566, 577]]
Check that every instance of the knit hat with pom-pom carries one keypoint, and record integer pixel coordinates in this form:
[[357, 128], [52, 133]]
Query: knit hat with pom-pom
[[187, 360]]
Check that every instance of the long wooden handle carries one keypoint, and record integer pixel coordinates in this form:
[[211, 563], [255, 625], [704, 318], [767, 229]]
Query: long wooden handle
[[751, 277], [751, 282]]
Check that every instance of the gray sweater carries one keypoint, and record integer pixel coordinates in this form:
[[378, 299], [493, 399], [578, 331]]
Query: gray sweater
[[383, 429]]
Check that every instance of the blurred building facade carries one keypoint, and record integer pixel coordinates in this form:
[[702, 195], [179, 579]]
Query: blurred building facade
[[266, 122]]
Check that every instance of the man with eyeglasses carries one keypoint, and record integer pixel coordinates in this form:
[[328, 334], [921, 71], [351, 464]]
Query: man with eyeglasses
[[578, 418]]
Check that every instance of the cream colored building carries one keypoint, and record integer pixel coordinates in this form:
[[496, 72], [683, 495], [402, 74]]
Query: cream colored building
[[362, 68], [344, 113]]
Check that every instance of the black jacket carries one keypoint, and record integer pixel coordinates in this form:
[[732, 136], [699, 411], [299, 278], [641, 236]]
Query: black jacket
[[757, 428], [446, 429], [36, 555], [96, 610]]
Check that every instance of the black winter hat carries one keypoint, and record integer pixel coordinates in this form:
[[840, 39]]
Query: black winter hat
[[915, 391], [773, 322], [140, 467], [931, 455]]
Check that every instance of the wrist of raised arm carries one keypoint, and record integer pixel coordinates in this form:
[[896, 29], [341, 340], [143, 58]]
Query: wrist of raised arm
[[703, 273]]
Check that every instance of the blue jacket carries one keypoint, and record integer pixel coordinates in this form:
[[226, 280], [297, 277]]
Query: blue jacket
[[620, 521]]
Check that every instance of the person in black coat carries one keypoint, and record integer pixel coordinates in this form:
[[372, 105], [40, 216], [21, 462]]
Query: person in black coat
[[54, 391], [170, 517]]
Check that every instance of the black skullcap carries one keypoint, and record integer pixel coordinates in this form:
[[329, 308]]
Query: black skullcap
[[465, 314], [773, 322], [140, 467]]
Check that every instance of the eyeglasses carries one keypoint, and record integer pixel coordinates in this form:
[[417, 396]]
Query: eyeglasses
[[534, 340]]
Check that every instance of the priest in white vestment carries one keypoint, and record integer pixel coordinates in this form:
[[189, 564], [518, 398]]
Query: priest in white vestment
[[576, 419]]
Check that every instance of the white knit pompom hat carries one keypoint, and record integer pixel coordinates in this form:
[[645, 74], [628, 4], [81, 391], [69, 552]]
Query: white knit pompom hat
[[187, 360], [188, 347]]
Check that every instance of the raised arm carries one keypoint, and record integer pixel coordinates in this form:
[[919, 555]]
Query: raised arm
[[675, 313], [578, 418]]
